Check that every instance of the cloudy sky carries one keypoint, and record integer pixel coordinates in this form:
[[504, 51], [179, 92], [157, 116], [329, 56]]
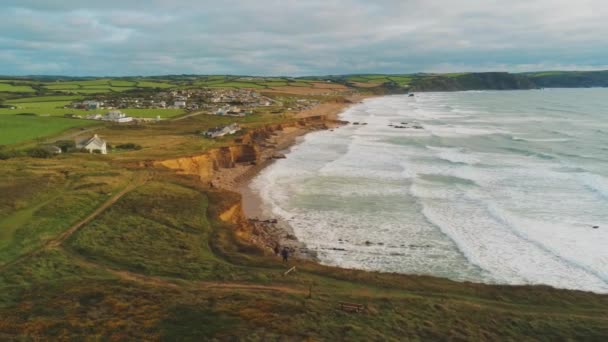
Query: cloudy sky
[[303, 37]]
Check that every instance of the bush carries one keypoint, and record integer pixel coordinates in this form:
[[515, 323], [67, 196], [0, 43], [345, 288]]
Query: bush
[[39, 153], [128, 146], [65, 145], [4, 154]]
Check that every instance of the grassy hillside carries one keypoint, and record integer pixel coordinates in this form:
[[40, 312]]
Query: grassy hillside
[[110, 247], [159, 264]]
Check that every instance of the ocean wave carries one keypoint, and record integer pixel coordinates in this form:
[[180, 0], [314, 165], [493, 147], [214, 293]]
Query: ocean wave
[[529, 153], [541, 140], [595, 183], [455, 155]]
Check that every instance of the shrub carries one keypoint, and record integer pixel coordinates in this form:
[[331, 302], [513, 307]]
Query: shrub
[[4, 154], [129, 146], [65, 145], [39, 152]]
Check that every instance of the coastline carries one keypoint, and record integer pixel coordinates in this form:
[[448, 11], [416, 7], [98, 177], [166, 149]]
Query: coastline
[[270, 231]]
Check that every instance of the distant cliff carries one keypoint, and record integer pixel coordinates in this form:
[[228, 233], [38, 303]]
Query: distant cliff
[[395, 84], [471, 81], [569, 79]]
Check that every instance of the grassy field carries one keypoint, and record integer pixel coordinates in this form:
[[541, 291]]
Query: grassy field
[[20, 128], [7, 87], [100, 86]]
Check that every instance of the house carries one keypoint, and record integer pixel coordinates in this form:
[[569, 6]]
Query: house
[[222, 130], [91, 104], [93, 144], [179, 104], [117, 116], [52, 149], [94, 117]]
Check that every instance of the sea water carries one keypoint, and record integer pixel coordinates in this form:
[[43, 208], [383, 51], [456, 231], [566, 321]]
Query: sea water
[[486, 186]]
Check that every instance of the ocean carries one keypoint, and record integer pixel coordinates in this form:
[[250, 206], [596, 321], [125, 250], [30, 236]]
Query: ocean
[[500, 187]]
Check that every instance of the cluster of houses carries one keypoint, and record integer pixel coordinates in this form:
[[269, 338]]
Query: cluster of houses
[[216, 101], [111, 116], [220, 131]]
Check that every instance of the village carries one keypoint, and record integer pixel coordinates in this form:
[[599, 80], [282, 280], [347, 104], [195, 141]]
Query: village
[[212, 100], [224, 102]]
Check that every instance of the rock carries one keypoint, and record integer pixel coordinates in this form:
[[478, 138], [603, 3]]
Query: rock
[[367, 243], [595, 227], [278, 156]]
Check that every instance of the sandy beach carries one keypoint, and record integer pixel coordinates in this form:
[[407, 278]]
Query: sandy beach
[[269, 231]]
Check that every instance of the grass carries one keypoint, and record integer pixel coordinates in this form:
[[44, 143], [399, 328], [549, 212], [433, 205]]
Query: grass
[[153, 113], [168, 228], [41, 104], [10, 88], [45, 215], [158, 229], [16, 128], [44, 99]]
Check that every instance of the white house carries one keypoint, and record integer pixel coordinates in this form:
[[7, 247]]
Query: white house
[[92, 104], [94, 117], [93, 144], [117, 116], [222, 130], [179, 104]]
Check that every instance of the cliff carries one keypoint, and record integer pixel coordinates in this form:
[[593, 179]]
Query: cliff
[[472, 81], [247, 149]]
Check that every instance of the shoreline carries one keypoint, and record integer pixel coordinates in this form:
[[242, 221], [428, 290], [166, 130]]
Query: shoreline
[[268, 230]]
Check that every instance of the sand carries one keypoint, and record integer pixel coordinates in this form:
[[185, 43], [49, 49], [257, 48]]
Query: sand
[[269, 231]]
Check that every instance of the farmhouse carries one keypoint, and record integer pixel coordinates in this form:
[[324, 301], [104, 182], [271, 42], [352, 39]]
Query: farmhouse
[[222, 130], [117, 116], [92, 104], [93, 144]]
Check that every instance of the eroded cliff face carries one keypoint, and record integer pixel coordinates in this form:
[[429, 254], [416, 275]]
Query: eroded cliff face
[[246, 150], [205, 165]]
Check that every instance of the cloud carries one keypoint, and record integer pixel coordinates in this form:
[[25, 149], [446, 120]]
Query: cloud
[[299, 37]]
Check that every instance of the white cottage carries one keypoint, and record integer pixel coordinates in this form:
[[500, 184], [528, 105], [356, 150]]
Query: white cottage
[[93, 144]]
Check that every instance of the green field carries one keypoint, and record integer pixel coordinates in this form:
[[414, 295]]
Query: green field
[[9, 88], [103, 85], [43, 109], [44, 99], [20, 128]]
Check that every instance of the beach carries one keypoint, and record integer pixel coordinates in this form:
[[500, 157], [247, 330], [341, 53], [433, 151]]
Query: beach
[[269, 229], [491, 187]]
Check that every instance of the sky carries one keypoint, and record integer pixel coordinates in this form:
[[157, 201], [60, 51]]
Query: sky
[[296, 38]]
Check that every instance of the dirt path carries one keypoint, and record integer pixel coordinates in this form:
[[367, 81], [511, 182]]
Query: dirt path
[[177, 283], [135, 183], [188, 116], [72, 135], [139, 180]]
